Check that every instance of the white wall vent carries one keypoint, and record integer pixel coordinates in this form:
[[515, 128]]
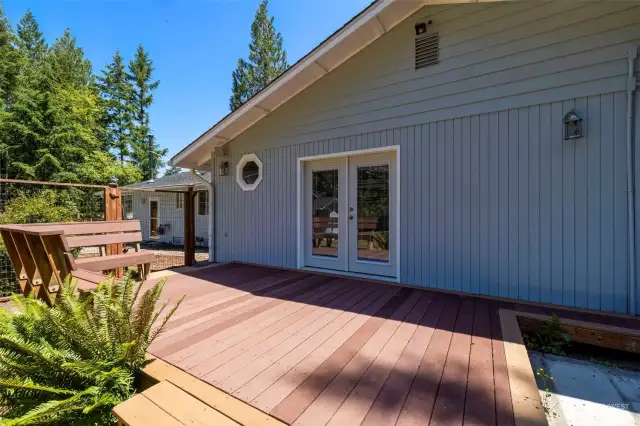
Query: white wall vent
[[427, 50]]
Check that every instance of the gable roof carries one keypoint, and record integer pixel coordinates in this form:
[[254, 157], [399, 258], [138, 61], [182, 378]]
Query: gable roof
[[179, 180], [366, 27]]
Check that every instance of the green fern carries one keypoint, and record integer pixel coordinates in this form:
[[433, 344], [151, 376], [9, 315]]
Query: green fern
[[71, 364]]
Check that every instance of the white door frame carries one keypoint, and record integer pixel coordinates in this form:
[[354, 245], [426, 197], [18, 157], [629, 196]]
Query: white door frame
[[300, 241], [156, 199]]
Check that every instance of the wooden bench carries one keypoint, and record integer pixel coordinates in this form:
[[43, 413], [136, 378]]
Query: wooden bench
[[101, 235], [41, 253], [366, 229]]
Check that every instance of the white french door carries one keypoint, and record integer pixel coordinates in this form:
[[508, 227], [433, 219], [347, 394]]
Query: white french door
[[349, 214]]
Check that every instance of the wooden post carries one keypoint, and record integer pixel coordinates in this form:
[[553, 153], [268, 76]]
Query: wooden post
[[189, 228], [113, 211]]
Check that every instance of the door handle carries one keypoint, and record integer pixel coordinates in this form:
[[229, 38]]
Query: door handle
[[350, 217]]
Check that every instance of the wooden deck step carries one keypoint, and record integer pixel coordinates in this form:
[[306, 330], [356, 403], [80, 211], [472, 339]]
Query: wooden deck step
[[234, 409]]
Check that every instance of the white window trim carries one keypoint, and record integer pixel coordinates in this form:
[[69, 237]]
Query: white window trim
[[247, 158], [181, 203], [127, 214], [205, 195]]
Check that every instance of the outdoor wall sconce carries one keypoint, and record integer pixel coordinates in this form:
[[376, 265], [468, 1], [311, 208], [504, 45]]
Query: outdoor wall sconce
[[572, 125], [223, 170]]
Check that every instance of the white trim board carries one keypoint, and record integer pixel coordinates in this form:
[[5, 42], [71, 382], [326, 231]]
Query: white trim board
[[299, 209]]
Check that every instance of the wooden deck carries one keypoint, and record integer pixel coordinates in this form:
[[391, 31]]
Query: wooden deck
[[318, 350]]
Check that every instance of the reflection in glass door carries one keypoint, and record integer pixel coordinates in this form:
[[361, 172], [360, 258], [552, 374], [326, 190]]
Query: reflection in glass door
[[325, 182], [153, 219], [349, 214], [372, 213]]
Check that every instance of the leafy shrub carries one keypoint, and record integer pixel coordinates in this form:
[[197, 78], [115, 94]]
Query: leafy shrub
[[42, 207], [550, 338], [71, 364]]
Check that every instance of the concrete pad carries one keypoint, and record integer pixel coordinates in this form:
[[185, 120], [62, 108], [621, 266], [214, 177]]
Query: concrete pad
[[585, 393]]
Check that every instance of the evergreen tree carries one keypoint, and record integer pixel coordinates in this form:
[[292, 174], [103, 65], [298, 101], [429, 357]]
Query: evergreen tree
[[146, 153], [67, 61], [30, 38], [117, 92], [267, 59], [172, 171], [10, 61]]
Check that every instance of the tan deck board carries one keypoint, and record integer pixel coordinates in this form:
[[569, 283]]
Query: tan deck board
[[480, 400], [140, 411], [389, 402], [195, 338], [251, 362], [327, 403], [255, 324], [357, 405], [419, 404], [184, 407], [503, 406], [238, 305], [249, 337], [333, 321], [448, 408], [313, 349], [315, 355]]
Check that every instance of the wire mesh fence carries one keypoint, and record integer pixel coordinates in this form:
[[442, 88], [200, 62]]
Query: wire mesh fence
[[23, 202], [161, 216]]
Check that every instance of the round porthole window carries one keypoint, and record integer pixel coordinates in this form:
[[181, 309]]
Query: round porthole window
[[249, 172]]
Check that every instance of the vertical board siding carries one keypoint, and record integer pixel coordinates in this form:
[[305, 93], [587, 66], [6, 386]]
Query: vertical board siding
[[492, 57], [493, 200], [168, 214], [497, 204]]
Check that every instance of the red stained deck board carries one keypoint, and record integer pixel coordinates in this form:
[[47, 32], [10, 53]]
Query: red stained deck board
[[480, 400], [251, 361], [253, 387], [204, 349], [453, 385], [298, 401], [387, 406], [325, 405], [357, 405], [234, 295], [428, 373], [287, 384], [295, 358], [279, 296], [420, 401], [238, 343]]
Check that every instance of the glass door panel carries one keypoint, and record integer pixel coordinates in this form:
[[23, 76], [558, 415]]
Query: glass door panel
[[373, 213], [372, 210], [325, 214], [324, 210]]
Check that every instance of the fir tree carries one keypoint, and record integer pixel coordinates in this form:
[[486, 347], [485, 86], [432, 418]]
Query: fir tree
[[146, 154], [10, 61], [67, 61], [117, 92], [267, 59], [172, 171], [30, 38]]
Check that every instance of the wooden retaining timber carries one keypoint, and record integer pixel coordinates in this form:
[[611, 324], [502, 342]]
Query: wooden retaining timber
[[173, 397]]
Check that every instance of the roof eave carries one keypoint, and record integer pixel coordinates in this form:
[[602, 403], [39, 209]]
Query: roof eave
[[367, 27]]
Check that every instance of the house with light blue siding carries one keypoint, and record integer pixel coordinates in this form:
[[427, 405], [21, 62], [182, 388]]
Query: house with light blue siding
[[484, 147]]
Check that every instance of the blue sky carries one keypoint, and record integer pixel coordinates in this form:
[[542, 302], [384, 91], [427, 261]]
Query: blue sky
[[194, 45]]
